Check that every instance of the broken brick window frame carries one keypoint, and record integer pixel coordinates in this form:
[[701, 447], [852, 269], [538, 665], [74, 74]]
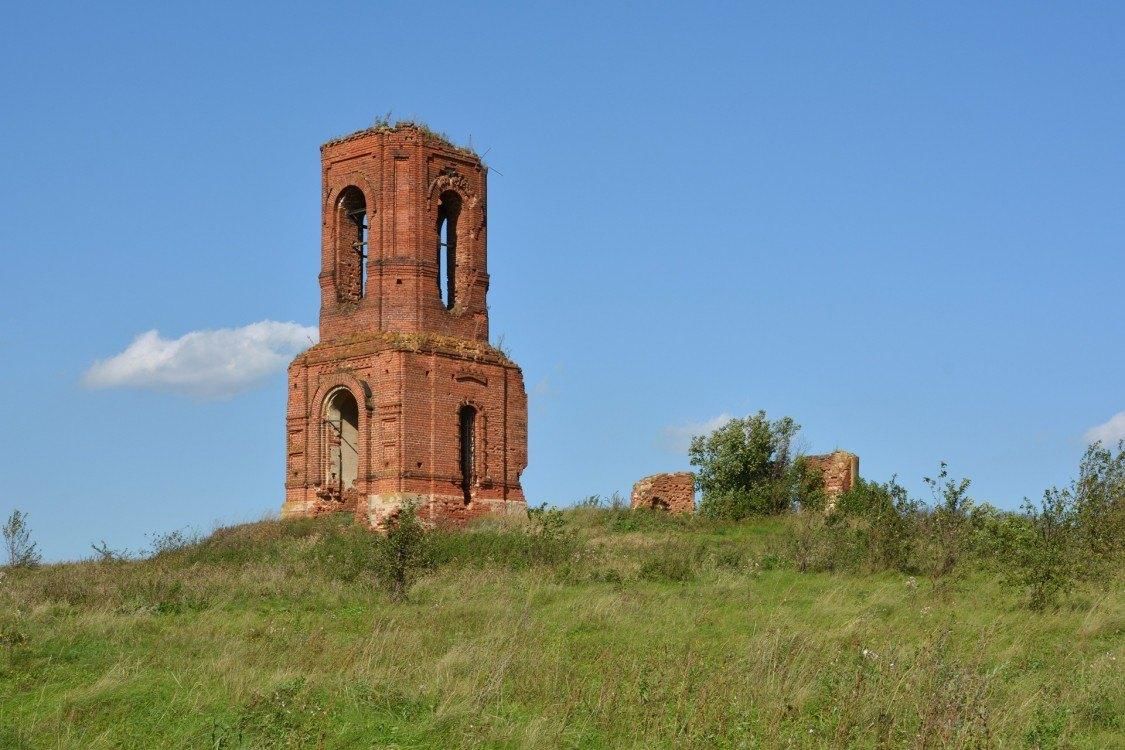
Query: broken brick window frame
[[449, 210], [467, 449], [352, 232]]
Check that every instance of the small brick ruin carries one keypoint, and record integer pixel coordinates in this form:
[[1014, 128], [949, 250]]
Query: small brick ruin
[[839, 471], [674, 493], [404, 400]]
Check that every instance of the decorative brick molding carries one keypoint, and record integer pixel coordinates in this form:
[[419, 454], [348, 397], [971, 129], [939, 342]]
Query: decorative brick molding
[[404, 400], [673, 492]]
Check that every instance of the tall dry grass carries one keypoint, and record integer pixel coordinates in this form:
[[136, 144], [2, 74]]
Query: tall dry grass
[[646, 633]]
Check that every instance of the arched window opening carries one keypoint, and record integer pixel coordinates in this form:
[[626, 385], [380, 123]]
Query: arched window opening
[[448, 210], [351, 244], [341, 442], [468, 443]]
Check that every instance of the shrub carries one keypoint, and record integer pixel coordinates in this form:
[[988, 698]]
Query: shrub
[[1075, 533], [107, 555], [591, 501], [745, 468], [551, 540], [830, 543], [1099, 507], [947, 523], [401, 554], [808, 485], [22, 552], [1042, 551], [172, 541], [889, 521]]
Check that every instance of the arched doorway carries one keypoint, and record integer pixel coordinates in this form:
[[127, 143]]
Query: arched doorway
[[341, 442]]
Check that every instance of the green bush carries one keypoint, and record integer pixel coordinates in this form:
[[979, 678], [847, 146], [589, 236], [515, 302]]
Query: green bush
[[946, 526], [888, 521], [1073, 534], [745, 468], [1099, 506], [1042, 551], [401, 553]]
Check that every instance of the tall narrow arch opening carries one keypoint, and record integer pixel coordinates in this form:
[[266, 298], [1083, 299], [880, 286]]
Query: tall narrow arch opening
[[341, 442], [351, 244], [449, 209], [467, 420]]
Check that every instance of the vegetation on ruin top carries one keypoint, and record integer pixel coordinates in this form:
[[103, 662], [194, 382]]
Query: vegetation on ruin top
[[425, 341], [386, 124]]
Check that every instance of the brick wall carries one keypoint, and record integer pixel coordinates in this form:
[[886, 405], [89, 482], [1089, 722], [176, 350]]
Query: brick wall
[[674, 492], [839, 472]]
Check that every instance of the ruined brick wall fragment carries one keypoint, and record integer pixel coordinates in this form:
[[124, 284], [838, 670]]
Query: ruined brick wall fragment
[[674, 492], [839, 472]]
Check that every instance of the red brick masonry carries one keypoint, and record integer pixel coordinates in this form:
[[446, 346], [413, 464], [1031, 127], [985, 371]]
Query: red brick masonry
[[376, 413], [674, 493], [839, 471]]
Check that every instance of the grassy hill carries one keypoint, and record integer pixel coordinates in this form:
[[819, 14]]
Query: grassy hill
[[597, 629]]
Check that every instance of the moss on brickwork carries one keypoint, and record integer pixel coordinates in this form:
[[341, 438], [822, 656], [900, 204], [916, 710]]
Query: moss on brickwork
[[419, 343]]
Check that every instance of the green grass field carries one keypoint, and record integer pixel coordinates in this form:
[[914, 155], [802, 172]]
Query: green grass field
[[641, 633]]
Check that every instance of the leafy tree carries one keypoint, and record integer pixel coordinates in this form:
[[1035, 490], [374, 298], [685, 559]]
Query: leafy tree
[[746, 468], [22, 552]]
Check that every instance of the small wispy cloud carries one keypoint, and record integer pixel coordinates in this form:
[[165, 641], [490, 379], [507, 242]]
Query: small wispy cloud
[[677, 438], [1109, 432], [542, 388], [205, 364]]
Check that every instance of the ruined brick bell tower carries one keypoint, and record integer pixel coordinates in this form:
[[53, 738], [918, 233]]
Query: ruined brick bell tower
[[404, 399]]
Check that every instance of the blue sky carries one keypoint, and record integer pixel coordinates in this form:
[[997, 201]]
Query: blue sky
[[900, 224]]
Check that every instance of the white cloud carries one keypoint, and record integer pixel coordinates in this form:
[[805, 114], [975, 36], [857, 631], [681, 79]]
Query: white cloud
[[1109, 432], [206, 364], [677, 438]]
